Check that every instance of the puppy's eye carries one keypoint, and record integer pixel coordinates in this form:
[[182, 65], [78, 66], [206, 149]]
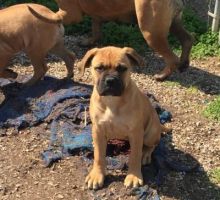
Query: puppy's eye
[[121, 68], [100, 68]]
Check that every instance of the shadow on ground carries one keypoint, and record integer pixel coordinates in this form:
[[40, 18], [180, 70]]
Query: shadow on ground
[[193, 77], [192, 185], [176, 175]]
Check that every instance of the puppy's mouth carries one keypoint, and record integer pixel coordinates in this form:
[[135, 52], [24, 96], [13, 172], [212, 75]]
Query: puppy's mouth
[[110, 86]]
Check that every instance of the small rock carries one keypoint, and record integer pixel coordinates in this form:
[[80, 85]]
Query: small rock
[[198, 124], [60, 196], [36, 182], [74, 186], [103, 194]]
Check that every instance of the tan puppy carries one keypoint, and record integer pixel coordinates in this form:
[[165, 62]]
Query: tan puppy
[[23, 28], [155, 19], [119, 110]]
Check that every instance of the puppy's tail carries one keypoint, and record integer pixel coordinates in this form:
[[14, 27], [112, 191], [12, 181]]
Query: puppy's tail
[[51, 18]]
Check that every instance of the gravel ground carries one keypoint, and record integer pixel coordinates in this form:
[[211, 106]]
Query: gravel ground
[[23, 176]]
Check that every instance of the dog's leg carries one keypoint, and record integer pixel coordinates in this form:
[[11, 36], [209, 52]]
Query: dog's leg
[[186, 41], [40, 67], [160, 44], [154, 22], [134, 177], [95, 179], [6, 73], [146, 157], [96, 32], [67, 56], [151, 139]]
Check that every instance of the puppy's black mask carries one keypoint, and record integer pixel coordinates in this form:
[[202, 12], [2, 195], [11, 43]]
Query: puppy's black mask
[[110, 85]]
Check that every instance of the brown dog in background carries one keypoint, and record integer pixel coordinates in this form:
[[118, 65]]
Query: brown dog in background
[[72, 11], [155, 19], [119, 110], [36, 30]]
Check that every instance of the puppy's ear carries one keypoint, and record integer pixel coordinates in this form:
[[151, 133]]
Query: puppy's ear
[[134, 58], [86, 60]]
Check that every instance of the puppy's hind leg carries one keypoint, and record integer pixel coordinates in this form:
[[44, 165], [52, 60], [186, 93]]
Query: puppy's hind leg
[[186, 41], [40, 67], [146, 155], [67, 56], [6, 73], [150, 141]]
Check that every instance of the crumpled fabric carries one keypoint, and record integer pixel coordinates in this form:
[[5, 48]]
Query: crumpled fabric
[[145, 193], [27, 107]]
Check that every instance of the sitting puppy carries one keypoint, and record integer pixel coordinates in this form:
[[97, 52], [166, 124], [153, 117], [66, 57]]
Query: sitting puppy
[[119, 110], [36, 30]]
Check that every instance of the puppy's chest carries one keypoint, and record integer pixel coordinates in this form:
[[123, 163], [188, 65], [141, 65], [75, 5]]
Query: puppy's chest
[[114, 124]]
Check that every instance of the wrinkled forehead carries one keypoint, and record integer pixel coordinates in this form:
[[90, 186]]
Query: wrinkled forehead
[[110, 58]]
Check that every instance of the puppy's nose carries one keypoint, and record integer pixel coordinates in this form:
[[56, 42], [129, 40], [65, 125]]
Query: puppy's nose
[[110, 81]]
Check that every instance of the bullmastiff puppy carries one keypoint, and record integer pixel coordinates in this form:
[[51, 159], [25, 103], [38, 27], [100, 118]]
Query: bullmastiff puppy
[[36, 30], [119, 110], [155, 19]]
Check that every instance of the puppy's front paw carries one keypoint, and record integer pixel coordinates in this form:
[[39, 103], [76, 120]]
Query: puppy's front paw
[[133, 180], [95, 179]]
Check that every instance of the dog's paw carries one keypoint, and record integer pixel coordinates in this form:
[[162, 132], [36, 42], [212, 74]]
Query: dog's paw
[[95, 179], [161, 76], [133, 180]]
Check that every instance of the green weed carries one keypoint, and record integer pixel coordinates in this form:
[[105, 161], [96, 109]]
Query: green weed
[[206, 42], [213, 109], [123, 35], [215, 175], [192, 89], [171, 83]]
